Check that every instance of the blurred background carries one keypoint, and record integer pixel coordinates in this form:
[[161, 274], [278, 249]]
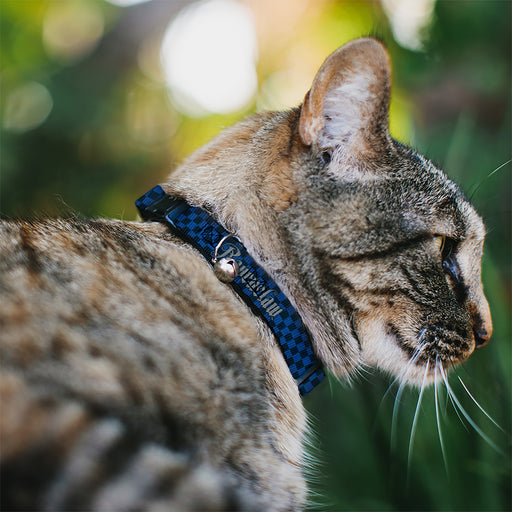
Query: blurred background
[[101, 100]]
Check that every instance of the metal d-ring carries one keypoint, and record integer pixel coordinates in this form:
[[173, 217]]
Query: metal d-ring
[[219, 245]]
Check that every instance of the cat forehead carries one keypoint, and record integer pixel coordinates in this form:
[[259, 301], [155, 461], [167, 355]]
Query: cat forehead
[[470, 223], [408, 194]]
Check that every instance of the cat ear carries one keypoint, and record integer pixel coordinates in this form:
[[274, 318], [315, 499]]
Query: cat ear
[[348, 102]]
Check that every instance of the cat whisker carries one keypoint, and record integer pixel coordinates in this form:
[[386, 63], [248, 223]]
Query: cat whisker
[[489, 417], [405, 371], [399, 378], [446, 403], [363, 372], [498, 168], [401, 386], [449, 396], [450, 399], [386, 393], [487, 177], [412, 361], [461, 366], [394, 418], [458, 405], [436, 400], [416, 415]]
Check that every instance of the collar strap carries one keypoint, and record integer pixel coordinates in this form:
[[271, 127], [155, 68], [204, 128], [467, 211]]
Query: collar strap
[[252, 283]]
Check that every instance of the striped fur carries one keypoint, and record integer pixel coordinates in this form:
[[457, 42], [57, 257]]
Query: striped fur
[[131, 378]]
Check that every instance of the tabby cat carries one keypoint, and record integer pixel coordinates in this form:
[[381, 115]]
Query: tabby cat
[[132, 378]]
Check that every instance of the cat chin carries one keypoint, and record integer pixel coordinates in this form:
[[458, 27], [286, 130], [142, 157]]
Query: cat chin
[[380, 349]]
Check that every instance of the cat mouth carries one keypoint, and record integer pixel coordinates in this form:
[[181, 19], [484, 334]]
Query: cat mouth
[[435, 344]]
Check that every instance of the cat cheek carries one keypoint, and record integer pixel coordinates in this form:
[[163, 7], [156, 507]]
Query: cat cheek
[[381, 350]]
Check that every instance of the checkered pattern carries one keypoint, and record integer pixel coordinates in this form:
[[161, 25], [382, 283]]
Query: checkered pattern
[[312, 381], [201, 230]]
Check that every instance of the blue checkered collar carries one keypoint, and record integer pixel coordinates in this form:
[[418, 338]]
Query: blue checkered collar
[[249, 280]]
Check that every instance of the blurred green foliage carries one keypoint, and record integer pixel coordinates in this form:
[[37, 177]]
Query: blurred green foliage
[[112, 132]]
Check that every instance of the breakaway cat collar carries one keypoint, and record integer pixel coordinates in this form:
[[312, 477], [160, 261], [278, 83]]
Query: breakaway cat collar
[[232, 263]]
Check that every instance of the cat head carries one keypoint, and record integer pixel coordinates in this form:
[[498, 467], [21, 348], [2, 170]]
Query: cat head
[[377, 248], [387, 247]]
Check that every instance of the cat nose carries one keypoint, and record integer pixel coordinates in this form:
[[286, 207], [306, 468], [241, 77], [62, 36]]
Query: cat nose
[[482, 337], [482, 324]]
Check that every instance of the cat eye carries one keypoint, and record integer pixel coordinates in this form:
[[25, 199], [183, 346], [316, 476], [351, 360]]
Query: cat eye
[[446, 247], [440, 241], [450, 265], [326, 157]]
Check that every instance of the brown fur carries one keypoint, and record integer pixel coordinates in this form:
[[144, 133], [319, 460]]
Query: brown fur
[[134, 379]]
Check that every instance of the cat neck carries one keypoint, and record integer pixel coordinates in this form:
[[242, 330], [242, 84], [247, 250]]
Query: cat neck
[[247, 278]]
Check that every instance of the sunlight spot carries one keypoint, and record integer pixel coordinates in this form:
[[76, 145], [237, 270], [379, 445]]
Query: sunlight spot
[[27, 107], [72, 29], [409, 19], [208, 56]]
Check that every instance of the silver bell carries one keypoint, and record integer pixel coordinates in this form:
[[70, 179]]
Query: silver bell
[[226, 269]]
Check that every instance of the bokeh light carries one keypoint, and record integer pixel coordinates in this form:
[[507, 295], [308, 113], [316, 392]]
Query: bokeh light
[[27, 107], [126, 3], [208, 56], [409, 20], [72, 29]]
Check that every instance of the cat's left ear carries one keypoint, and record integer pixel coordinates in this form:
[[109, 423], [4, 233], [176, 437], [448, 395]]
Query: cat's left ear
[[348, 103]]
